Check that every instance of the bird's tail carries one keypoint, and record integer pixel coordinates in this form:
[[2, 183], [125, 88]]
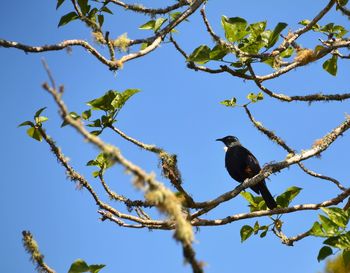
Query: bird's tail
[[266, 195]]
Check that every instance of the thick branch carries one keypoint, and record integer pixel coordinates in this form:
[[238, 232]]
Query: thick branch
[[332, 202]]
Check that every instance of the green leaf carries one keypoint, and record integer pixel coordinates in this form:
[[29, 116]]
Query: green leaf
[[341, 241], [37, 113], [69, 17], [41, 119], [95, 123], [343, 2], [96, 133], [125, 96], [158, 23], [346, 257], [275, 34], [144, 45], [337, 216], [175, 15], [92, 14], [79, 266], [246, 232], [285, 198], [83, 4], [304, 22], [287, 53], [112, 100], [104, 102], [218, 52], [92, 163], [101, 19], [103, 161], [229, 103], [328, 226], [263, 234], [235, 28], [317, 230], [266, 36], [249, 197], [339, 31], [73, 115], [200, 55], [59, 3], [86, 114], [252, 46], [331, 65], [96, 174], [255, 97], [256, 29], [26, 123], [34, 133], [256, 227], [107, 10], [149, 25], [95, 268], [324, 253]]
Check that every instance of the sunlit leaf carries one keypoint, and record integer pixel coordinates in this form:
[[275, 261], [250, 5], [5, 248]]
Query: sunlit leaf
[[235, 28], [79, 266], [218, 52], [158, 23], [34, 133], [230, 103], [200, 55], [276, 34], [285, 198], [337, 215], [246, 232], [331, 65]]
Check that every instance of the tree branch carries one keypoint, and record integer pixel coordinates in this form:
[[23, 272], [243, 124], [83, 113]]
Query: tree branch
[[150, 11], [286, 98], [269, 169], [274, 138], [31, 246], [218, 222]]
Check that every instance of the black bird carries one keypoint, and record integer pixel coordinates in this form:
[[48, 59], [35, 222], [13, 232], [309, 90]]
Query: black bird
[[242, 164]]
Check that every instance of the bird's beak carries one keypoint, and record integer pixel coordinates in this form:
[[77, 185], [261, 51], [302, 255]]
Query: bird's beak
[[218, 139]]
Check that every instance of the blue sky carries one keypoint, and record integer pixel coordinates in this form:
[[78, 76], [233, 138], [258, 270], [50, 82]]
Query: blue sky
[[179, 110]]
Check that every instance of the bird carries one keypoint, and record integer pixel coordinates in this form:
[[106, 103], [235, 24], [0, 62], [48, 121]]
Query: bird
[[242, 164]]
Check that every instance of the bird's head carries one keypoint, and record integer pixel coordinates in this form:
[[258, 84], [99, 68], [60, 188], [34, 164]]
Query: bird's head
[[229, 141]]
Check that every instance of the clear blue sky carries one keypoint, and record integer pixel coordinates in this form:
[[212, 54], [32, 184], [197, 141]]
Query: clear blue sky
[[178, 109]]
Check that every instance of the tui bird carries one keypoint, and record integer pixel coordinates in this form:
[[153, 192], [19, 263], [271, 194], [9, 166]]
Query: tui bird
[[242, 164]]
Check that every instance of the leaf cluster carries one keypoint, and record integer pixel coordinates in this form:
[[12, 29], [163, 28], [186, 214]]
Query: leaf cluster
[[35, 125], [332, 226], [80, 266]]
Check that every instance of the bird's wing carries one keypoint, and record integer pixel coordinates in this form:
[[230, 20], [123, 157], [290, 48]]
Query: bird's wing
[[252, 166]]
